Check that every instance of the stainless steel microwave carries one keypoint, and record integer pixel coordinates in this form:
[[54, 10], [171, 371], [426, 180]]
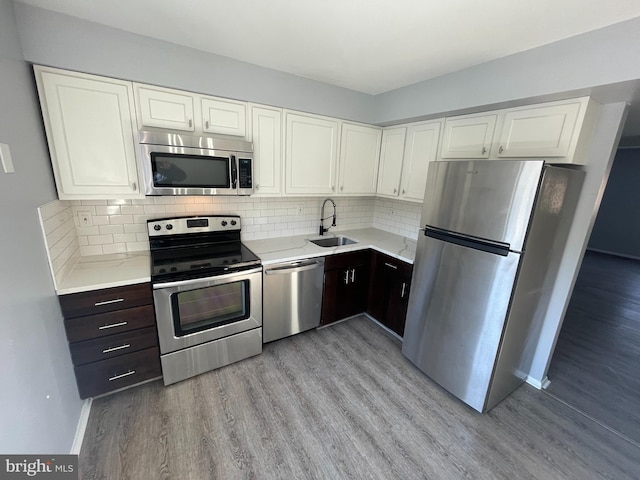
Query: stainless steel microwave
[[177, 164]]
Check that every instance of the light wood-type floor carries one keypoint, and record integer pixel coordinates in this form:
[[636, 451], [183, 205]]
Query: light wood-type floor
[[338, 403], [596, 364]]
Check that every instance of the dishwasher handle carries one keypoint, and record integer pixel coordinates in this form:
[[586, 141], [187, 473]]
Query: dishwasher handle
[[294, 267]]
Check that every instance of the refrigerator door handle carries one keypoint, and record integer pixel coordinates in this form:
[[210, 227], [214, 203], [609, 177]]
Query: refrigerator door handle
[[497, 248]]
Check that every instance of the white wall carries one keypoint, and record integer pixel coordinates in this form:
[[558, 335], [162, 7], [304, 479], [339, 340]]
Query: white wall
[[39, 399]]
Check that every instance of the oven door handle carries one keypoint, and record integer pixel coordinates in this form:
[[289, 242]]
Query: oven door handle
[[193, 281], [293, 268]]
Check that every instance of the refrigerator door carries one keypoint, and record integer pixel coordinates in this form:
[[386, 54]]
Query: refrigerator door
[[485, 199], [457, 310]]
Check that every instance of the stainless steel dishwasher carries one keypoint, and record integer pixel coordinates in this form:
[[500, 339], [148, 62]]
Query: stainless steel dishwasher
[[292, 297]]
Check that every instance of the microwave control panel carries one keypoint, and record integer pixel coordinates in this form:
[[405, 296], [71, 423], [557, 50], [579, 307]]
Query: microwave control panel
[[244, 173]]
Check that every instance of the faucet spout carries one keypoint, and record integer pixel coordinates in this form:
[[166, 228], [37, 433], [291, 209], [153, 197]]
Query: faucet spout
[[323, 218]]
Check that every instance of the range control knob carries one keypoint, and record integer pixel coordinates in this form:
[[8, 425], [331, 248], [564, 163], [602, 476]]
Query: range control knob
[[224, 223], [233, 222], [157, 227], [168, 226]]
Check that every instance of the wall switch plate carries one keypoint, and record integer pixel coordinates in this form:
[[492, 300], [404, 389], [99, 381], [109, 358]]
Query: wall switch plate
[[5, 157], [85, 219], [299, 209]]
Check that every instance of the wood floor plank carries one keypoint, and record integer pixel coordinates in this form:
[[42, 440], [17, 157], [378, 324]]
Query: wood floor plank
[[339, 402], [596, 363]]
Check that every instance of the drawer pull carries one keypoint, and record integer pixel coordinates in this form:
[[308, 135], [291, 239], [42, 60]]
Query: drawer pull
[[404, 286], [114, 349], [390, 265], [112, 325], [107, 302], [122, 375]]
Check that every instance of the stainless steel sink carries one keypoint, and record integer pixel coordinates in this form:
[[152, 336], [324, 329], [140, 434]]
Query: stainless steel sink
[[333, 241]]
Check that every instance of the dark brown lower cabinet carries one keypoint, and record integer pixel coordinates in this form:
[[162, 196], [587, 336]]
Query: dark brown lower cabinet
[[389, 291], [112, 338], [346, 285]]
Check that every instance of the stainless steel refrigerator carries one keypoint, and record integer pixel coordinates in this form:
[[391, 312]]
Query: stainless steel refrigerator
[[487, 257]]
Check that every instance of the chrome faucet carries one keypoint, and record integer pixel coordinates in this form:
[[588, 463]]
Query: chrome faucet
[[323, 218]]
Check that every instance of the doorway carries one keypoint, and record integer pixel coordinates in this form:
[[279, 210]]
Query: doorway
[[596, 364]]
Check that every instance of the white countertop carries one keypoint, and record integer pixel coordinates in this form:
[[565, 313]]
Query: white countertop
[[119, 269], [105, 271], [276, 250]]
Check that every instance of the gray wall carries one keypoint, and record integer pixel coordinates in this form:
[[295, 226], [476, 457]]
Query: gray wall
[[617, 227], [58, 40], [39, 402], [601, 57]]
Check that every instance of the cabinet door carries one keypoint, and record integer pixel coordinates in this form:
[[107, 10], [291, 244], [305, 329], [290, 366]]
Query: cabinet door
[[163, 108], [90, 130], [468, 136], [545, 131], [421, 148], [224, 116], [266, 126], [391, 154], [311, 154], [359, 158]]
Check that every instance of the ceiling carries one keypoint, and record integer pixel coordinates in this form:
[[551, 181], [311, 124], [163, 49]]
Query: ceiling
[[371, 46]]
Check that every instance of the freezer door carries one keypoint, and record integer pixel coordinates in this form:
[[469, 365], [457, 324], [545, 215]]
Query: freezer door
[[486, 199], [457, 310]]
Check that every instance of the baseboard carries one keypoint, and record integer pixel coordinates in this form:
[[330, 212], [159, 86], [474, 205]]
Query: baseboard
[[540, 385], [615, 254], [82, 427]]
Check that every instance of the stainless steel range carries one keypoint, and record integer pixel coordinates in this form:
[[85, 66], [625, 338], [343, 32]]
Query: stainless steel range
[[207, 290]]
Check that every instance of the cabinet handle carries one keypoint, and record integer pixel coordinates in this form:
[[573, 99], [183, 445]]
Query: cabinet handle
[[484, 150], [257, 186], [114, 349], [391, 265], [353, 275], [190, 123], [395, 190], [112, 325], [134, 186], [342, 188], [404, 191], [346, 277], [122, 375], [333, 188], [107, 302], [501, 149], [404, 286], [206, 124]]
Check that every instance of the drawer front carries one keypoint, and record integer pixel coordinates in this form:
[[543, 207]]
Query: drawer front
[[113, 345], [106, 300], [119, 372], [350, 259], [393, 264], [95, 326]]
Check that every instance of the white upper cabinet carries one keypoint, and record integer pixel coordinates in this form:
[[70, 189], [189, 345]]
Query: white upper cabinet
[[266, 132], [311, 154], [223, 116], [557, 131], [164, 108], [391, 155], [359, 158], [90, 125], [544, 131], [468, 136], [420, 149]]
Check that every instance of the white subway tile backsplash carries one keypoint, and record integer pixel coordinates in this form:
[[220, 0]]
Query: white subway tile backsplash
[[110, 229], [108, 210]]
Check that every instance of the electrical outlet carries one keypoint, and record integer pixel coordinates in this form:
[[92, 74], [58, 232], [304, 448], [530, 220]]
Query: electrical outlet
[[299, 209], [85, 219]]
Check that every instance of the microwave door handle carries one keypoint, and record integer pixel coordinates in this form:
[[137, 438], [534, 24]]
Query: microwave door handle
[[234, 172]]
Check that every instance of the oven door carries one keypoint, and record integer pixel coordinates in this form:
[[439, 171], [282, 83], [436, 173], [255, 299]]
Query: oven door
[[192, 312], [170, 170]]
